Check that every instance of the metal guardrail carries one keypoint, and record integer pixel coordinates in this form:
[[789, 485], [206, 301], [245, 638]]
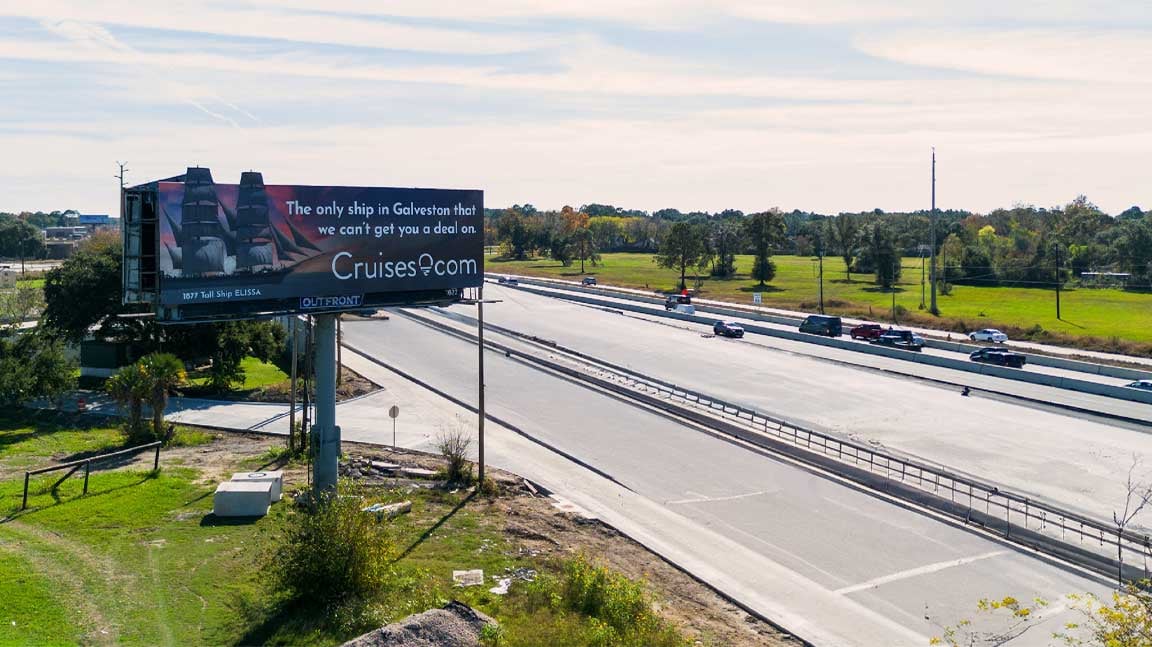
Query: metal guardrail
[[996, 509], [1016, 517], [86, 463]]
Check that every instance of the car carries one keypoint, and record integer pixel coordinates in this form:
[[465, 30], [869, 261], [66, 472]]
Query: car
[[905, 339], [674, 300], [998, 356], [988, 334], [728, 329], [822, 325], [867, 331], [588, 280], [1145, 385], [507, 280]]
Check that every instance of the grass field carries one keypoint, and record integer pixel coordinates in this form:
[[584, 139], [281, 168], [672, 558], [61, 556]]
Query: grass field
[[257, 375], [1089, 317], [139, 560]]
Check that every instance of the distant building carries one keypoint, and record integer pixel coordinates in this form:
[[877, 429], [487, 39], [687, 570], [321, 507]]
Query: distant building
[[67, 233], [96, 221]]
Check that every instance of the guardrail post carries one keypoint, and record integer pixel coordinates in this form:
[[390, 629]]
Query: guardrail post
[[156, 461], [24, 505], [87, 469]]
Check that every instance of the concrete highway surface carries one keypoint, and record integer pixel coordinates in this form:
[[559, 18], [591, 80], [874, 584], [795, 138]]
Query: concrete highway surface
[[879, 564], [1076, 462]]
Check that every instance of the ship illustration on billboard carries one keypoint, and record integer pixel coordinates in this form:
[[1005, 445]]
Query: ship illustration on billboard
[[228, 230]]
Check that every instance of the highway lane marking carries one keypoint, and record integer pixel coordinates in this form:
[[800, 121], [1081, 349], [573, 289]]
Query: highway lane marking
[[701, 498], [920, 570]]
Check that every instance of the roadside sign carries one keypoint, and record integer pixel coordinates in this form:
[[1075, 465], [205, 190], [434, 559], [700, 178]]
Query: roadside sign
[[756, 297], [393, 411]]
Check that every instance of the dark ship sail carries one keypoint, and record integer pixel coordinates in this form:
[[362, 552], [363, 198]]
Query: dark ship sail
[[202, 247], [255, 245]]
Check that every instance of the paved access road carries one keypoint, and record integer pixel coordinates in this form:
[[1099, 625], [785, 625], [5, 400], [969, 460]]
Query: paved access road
[[1072, 461], [876, 564]]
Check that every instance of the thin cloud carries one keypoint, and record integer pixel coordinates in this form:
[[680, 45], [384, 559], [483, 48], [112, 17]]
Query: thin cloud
[[99, 41]]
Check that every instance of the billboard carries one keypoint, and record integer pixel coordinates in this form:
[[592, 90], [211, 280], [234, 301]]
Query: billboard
[[251, 247]]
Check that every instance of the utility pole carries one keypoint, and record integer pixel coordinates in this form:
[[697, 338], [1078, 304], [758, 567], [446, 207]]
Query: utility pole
[[123, 169], [820, 255], [292, 396], [1057, 245], [921, 279], [932, 234], [480, 380]]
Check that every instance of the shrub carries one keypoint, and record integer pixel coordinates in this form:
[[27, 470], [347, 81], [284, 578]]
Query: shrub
[[333, 552], [453, 446]]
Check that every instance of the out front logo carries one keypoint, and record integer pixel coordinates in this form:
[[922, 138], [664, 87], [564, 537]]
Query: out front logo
[[345, 267]]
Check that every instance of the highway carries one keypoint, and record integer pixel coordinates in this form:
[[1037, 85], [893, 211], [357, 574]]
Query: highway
[[1140, 409], [884, 563], [1077, 462]]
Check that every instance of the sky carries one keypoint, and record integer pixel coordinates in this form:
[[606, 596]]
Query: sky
[[818, 105]]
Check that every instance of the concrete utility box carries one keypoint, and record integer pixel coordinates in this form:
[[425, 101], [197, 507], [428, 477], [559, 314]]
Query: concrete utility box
[[242, 499], [275, 478], [686, 309]]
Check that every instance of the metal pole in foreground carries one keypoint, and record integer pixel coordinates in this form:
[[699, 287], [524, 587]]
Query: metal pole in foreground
[[932, 235], [327, 433], [480, 386], [292, 396]]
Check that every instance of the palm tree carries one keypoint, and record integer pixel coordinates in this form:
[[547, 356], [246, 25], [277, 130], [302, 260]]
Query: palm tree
[[163, 372], [129, 387]]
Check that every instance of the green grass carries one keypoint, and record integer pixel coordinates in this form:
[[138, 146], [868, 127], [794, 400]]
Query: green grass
[[1087, 313], [257, 374], [28, 440], [32, 612], [30, 283]]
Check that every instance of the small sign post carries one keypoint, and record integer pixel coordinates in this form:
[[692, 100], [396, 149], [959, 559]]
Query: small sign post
[[756, 298], [392, 413]]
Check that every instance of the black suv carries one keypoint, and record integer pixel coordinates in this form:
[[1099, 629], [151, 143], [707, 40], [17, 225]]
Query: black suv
[[905, 339], [674, 300], [999, 357], [728, 329]]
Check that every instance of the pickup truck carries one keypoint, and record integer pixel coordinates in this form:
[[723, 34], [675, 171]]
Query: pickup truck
[[998, 356], [867, 331], [905, 339]]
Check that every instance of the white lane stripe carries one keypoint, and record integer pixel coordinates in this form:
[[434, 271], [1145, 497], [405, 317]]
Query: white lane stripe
[[705, 499], [914, 572]]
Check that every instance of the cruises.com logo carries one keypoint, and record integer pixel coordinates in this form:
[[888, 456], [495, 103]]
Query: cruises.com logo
[[346, 268]]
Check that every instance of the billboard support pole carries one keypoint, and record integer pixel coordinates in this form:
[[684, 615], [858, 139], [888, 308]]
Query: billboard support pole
[[327, 433]]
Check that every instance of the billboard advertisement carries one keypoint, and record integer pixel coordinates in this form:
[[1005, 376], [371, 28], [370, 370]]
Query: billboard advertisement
[[250, 247]]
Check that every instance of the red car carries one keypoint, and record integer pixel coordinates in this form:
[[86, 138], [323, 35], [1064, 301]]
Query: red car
[[867, 331]]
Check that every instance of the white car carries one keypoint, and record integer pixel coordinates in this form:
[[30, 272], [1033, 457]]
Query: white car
[[1145, 385], [988, 334]]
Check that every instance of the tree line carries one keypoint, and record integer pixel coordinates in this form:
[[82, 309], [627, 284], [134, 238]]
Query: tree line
[[1021, 245], [82, 299]]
